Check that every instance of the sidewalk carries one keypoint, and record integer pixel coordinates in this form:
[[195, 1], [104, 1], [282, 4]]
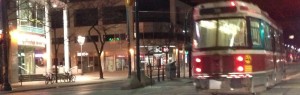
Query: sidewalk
[[88, 78]]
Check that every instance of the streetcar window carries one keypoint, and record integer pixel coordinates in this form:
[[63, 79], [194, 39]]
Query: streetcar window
[[232, 32], [268, 37], [208, 33], [220, 33], [255, 32], [277, 41]]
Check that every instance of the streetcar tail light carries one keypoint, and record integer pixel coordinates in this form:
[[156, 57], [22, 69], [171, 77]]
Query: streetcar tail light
[[198, 70], [197, 63], [239, 63]]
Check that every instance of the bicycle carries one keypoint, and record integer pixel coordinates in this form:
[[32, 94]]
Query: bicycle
[[49, 78], [69, 77]]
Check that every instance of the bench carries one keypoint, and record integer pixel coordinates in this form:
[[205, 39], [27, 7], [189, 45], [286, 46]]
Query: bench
[[34, 77], [40, 77]]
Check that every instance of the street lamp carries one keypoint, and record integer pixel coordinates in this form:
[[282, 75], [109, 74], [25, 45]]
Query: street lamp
[[291, 37], [80, 40]]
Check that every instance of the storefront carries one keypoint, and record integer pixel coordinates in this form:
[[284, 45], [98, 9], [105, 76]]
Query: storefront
[[116, 63], [30, 50], [89, 62]]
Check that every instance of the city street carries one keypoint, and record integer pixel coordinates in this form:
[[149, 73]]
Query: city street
[[182, 86]]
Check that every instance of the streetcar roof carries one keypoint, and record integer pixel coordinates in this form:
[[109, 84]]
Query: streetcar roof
[[243, 9]]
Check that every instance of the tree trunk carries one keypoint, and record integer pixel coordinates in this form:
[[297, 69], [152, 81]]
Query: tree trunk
[[100, 66]]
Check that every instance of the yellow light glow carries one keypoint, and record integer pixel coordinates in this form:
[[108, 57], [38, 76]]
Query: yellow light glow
[[14, 35], [208, 24], [28, 39], [229, 29], [131, 51]]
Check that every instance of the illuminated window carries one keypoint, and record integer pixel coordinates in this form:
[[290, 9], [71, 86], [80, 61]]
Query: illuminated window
[[221, 33], [256, 32], [232, 32], [268, 37], [208, 30]]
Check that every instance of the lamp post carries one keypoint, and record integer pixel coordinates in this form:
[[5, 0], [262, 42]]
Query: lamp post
[[80, 40]]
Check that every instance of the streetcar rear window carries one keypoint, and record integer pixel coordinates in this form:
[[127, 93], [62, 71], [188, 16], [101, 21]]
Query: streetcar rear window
[[220, 33]]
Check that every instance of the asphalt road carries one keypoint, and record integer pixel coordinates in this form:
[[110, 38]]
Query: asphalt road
[[176, 87]]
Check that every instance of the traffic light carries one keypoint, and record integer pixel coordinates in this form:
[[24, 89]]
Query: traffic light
[[129, 2]]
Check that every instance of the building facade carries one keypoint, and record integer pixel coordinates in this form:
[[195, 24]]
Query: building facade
[[27, 38], [107, 21], [158, 19]]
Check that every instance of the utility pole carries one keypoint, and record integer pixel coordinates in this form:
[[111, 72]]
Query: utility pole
[[128, 16], [186, 42], [5, 45], [138, 70]]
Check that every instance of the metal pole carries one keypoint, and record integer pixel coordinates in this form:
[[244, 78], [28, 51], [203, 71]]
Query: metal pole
[[158, 68], [138, 71], [55, 58], [1, 65], [178, 63], [81, 60], [5, 45], [186, 42], [128, 39]]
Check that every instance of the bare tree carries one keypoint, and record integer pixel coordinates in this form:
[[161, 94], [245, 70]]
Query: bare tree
[[101, 29]]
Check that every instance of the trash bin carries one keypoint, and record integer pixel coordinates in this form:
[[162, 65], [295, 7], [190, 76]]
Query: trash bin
[[171, 70]]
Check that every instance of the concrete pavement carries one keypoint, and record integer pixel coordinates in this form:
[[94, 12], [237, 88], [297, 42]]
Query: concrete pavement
[[88, 78]]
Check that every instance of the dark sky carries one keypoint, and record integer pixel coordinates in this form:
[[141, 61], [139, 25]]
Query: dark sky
[[285, 12]]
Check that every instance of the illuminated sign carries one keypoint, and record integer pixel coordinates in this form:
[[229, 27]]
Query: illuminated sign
[[39, 55], [29, 39], [82, 54], [114, 37]]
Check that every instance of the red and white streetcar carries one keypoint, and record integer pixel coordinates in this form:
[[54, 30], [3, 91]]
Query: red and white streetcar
[[237, 48]]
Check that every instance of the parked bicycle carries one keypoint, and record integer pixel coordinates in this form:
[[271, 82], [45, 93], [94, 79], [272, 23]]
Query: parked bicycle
[[69, 77], [49, 78]]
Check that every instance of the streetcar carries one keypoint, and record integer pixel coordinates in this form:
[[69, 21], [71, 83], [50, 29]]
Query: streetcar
[[236, 48]]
